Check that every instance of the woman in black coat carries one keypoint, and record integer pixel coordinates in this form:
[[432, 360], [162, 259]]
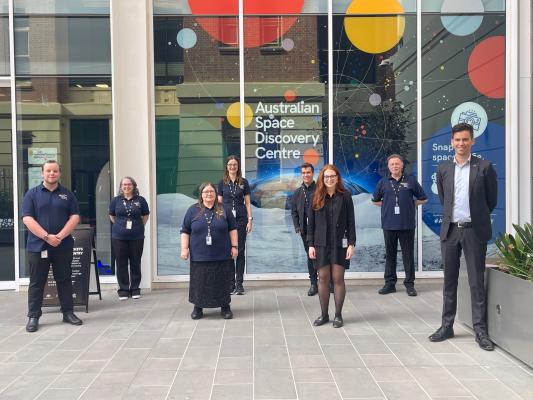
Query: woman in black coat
[[331, 239]]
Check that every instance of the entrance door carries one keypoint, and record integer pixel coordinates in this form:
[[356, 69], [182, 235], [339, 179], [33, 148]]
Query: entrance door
[[7, 221]]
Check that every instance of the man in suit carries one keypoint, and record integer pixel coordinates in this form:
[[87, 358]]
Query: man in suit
[[301, 201], [468, 191]]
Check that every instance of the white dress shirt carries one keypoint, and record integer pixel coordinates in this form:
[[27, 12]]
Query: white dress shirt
[[461, 201]]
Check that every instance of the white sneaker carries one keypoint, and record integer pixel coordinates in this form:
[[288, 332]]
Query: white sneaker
[[136, 296], [122, 298]]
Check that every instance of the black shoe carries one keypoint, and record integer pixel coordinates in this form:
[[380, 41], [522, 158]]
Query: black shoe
[[32, 325], [239, 289], [338, 322], [321, 320], [232, 289], [70, 318], [387, 289], [331, 288], [441, 334], [226, 312], [312, 290], [197, 313], [484, 341], [411, 291]]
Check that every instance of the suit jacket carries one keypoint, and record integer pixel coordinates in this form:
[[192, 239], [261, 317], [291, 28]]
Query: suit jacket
[[483, 195], [343, 218], [298, 207]]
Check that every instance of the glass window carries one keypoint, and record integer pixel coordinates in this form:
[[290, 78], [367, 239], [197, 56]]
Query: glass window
[[7, 222], [374, 114], [4, 43], [62, 46], [197, 81], [61, 7], [286, 92], [463, 69], [69, 120], [231, 7]]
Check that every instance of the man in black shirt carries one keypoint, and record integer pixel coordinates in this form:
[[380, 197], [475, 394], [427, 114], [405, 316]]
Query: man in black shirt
[[398, 195], [50, 212], [301, 202]]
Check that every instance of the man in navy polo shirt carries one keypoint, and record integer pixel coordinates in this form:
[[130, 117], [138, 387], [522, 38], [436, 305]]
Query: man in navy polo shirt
[[398, 195], [50, 212]]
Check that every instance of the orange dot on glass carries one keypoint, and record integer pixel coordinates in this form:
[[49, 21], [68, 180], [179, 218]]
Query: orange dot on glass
[[311, 156], [290, 95]]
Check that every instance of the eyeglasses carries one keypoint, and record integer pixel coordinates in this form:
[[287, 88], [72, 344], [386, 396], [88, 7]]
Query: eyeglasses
[[208, 192], [329, 177], [127, 184]]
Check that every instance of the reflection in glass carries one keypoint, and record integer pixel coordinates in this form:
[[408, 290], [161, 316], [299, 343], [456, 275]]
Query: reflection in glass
[[4, 45], [67, 45], [196, 83], [67, 120], [52, 7], [464, 81], [286, 90], [7, 222], [375, 116]]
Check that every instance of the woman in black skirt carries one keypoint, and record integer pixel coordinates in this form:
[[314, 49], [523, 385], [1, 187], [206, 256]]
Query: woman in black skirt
[[209, 238], [331, 239]]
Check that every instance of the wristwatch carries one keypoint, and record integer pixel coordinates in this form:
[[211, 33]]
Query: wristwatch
[[250, 218], [45, 237], [235, 247]]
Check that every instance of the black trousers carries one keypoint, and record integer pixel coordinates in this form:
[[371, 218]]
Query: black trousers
[[407, 243], [240, 261], [465, 240], [61, 260], [310, 265], [128, 251]]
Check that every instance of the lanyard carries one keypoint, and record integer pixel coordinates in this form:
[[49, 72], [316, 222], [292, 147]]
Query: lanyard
[[233, 192], [128, 206], [305, 196], [208, 220], [396, 189]]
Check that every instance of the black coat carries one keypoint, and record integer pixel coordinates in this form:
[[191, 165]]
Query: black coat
[[298, 207], [343, 218], [483, 194]]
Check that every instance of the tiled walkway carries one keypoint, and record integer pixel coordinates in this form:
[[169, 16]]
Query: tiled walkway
[[151, 349]]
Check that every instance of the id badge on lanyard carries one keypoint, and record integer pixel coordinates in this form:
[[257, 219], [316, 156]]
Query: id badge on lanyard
[[208, 240], [234, 213], [44, 254], [397, 210], [129, 224], [344, 243]]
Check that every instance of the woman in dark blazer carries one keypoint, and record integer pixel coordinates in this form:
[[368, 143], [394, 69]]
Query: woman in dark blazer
[[331, 239]]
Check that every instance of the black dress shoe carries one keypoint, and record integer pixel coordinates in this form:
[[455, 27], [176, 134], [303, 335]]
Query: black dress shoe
[[338, 322], [226, 312], [239, 289], [197, 313], [441, 334], [32, 325], [70, 318], [312, 290], [321, 320], [411, 291], [387, 289], [484, 341]]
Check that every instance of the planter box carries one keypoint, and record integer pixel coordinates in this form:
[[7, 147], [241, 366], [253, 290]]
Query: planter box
[[509, 311]]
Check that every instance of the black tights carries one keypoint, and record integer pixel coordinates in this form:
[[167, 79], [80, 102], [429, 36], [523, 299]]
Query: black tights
[[335, 273]]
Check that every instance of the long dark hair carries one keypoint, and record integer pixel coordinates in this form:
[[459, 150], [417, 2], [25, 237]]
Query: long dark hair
[[219, 211], [239, 180], [133, 182], [319, 199]]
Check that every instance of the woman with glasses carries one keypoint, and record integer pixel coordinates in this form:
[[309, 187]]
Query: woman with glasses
[[128, 213], [209, 239], [234, 194], [331, 239]]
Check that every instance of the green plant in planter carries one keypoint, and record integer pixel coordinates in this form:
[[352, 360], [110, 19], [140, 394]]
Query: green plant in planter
[[516, 251]]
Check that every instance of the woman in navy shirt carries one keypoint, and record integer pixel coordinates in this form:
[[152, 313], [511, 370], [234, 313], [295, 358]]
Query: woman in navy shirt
[[209, 239], [129, 213], [234, 194]]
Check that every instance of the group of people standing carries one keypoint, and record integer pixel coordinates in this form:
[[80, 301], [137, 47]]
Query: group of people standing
[[214, 229]]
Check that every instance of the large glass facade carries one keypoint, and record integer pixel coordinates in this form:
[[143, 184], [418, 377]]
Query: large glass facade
[[64, 107], [375, 86]]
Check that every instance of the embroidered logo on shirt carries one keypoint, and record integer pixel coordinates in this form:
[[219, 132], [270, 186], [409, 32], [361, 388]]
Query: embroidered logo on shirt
[[63, 196], [137, 203]]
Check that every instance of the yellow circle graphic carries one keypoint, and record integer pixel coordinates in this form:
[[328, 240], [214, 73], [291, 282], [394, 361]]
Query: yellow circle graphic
[[234, 114], [374, 34]]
